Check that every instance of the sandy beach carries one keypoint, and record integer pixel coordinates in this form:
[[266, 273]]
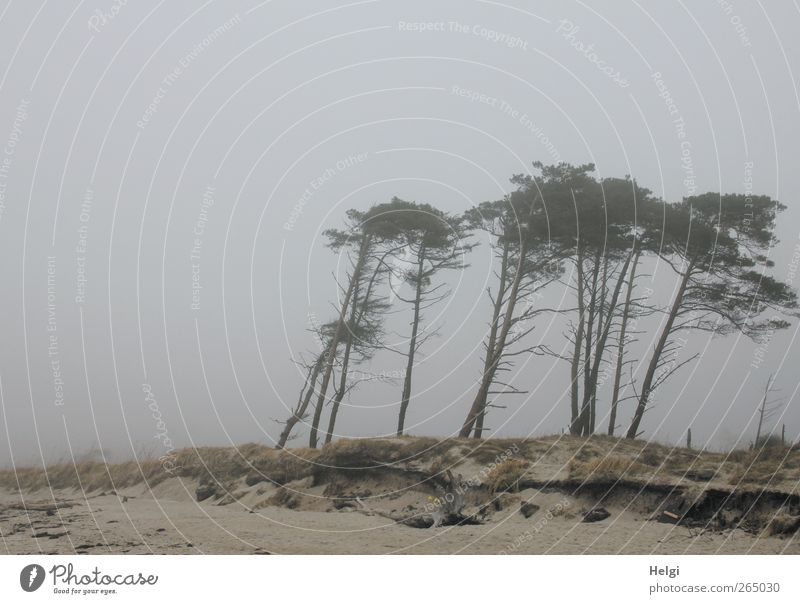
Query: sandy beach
[[169, 525]]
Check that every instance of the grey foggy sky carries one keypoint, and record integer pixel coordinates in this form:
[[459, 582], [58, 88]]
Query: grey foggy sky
[[122, 133]]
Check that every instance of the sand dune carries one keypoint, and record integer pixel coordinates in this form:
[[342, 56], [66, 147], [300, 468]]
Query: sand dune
[[373, 495]]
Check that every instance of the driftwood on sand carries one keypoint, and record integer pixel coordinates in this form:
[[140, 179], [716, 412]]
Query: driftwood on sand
[[47, 507], [445, 510]]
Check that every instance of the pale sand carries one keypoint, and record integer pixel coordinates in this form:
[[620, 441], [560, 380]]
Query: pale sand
[[176, 524]]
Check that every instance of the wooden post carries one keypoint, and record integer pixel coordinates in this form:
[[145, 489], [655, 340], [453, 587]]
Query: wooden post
[[783, 435], [689, 438]]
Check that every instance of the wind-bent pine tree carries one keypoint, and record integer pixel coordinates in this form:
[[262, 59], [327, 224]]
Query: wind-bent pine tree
[[716, 245], [431, 241], [363, 240], [594, 223], [623, 239], [529, 260], [330, 355], [364, 336]]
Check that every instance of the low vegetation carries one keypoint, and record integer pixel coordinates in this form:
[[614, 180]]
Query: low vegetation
[[497, 465]]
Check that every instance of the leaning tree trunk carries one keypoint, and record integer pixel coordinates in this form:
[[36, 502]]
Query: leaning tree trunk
[[479, 404], [633, 430], [348, 347], [302, 404], [612, 418], [331, 356], [498, 307], [412, 347], [339, 396]]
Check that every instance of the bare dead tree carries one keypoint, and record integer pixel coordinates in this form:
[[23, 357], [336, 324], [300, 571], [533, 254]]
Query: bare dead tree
[[766, 410]]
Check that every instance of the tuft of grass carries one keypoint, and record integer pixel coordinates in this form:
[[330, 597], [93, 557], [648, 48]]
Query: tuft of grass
[[487, 451], [89, 475], [771, 463], [652, 455], [286, 466], [371, 452], [756, 474], [215, 464], [506, 475], [608, 467]]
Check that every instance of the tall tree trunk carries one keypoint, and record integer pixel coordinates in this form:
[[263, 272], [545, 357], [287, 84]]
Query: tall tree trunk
[[587, 361], [603, 336], [575, 426], [498, 307], [644, 395], [412, 348], [331, 356], [612, 418], [599, 348], [302, 403], [479, 404]]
